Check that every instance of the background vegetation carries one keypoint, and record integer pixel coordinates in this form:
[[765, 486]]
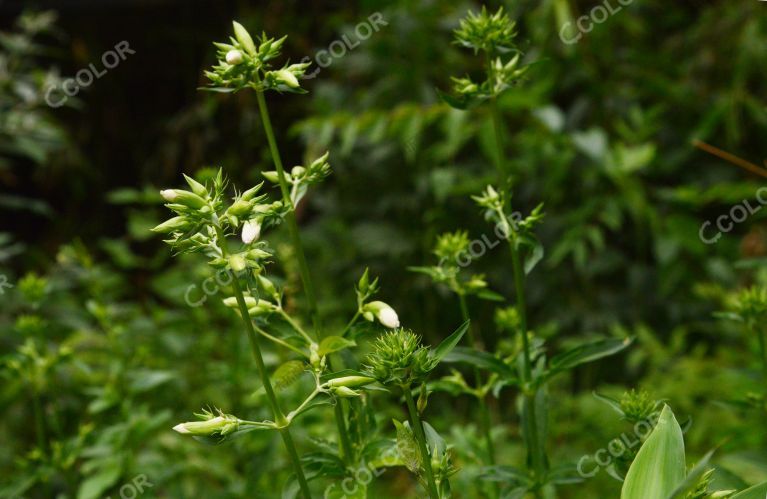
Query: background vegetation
[[101, 354]]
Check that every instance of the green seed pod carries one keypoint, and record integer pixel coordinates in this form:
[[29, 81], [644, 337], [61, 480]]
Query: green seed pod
[[350, 381]]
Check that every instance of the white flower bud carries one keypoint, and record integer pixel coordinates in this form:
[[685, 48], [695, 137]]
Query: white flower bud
[[383, 312], [169, 195], [388, 317], [234, 57], [251, 230]]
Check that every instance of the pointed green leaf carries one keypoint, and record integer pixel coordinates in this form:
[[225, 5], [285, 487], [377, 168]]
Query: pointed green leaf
[[755, 492], [659, 467], [588, 352], [448, 344]]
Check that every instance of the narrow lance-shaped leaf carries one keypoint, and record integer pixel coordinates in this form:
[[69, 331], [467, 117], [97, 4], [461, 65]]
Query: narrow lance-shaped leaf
[[755, 492], [659, 467], [448, 344]]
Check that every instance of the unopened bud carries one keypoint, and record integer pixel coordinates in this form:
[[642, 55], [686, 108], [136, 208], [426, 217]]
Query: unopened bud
[[287, 78], [345, 392], [172, 225], [386, 315], [234, 57], [237, 263], [350, 381], [251, 230], [185, 198]]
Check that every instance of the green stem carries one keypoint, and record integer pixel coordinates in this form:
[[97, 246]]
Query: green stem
[[281, 342], [346, 444], [290, 217], [279, 417], [535, 455], [484, 419], [295, 326], [519, 288], [351, 323], [42, 439], [420, 437], [763, 351]]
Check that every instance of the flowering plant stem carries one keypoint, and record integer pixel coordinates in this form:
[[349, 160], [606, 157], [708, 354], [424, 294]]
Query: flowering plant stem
[[295, 237], [415, 421], [484, 416], [279, 417], [535, 455]]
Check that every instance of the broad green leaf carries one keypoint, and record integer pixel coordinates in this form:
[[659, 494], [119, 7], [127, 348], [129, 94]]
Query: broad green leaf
[[332, 344], [588, 352], [448, 344], [755, 492], [659, 467], [95, 485]]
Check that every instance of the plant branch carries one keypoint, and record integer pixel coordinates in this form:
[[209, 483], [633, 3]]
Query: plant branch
[[291, 215], [420, 437]]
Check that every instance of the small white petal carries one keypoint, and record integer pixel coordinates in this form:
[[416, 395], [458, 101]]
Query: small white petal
[[169, 195], [251, 230], [234, 57], [388, 317], [181, 428]]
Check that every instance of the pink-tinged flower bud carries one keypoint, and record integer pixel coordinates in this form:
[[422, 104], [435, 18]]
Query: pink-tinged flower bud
[[234, 57], [251, 230]]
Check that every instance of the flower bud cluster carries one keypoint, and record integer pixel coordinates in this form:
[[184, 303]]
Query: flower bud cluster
[[243, 63], [399, 358], [300, 177], [493, 34]]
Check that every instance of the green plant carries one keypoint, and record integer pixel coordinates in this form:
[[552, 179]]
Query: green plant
[[659, 469], [400, 362]]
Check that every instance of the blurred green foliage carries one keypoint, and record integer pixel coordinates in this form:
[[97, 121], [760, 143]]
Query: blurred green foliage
[[100, 350]]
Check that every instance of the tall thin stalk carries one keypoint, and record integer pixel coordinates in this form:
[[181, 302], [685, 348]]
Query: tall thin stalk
[[535, 455], [279, 416], [484, 416], [295, 237], [420, 437]]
